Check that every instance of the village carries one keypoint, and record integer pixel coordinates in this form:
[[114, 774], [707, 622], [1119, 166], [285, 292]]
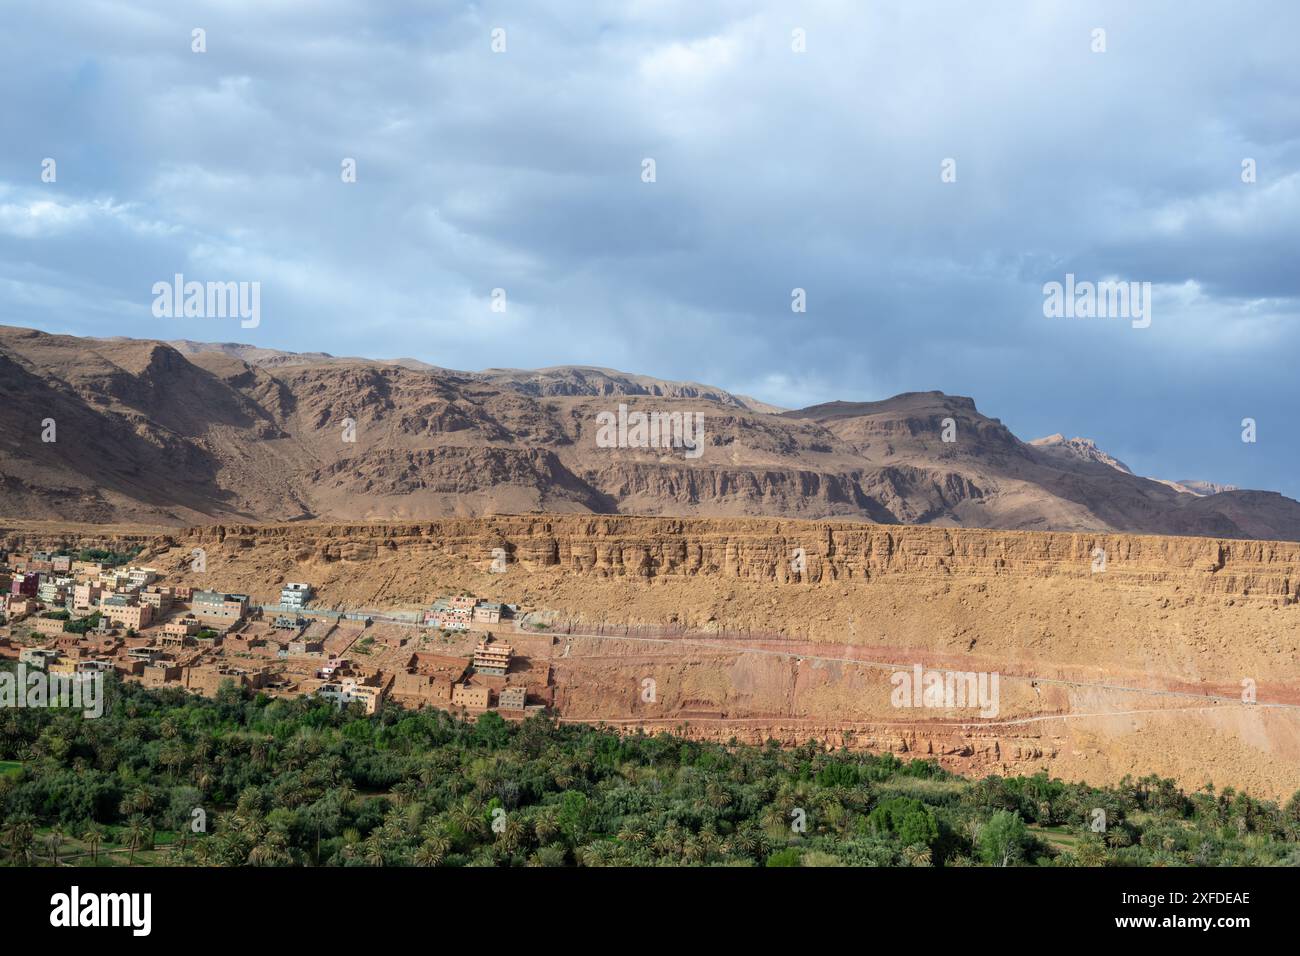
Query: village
[[75, 615]]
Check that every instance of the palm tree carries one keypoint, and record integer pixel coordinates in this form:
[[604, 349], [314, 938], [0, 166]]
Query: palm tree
[[437, 840], [53, 840], [405, 792], [172, 756], [916, 855], [203, 852], [746, 842], [709, 843], [430, 853], [514, 834], [668, 841], [468, 818], [258, 753], [693, 851], [552, 855], [137, 830], [431, 773], [138, 800], [273, 851], [93, 836], [292, 793], [632, 833], [20, 839], [546, 824], [563, 778], [374, 850]]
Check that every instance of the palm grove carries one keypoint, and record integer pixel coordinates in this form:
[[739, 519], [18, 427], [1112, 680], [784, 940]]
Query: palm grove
[[165, 777]]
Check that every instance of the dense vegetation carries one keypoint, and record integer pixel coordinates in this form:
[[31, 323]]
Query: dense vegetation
[[112, 559], [284, 782]]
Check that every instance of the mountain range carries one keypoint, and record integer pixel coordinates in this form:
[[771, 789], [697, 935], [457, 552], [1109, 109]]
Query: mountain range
[[113, 430]]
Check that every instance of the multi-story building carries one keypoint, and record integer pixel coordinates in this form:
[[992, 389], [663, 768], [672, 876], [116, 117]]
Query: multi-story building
[[26, 584], [53, 592], [469, 695], [86, 595], [158, 598], [369, 692], [45, 626], [123, 610], [492, 657], [208, 678], [487, 612], [295, 596], [420, 688], [38, 656], [19, 607], [183, 627], [115, 578], [159, 673], [62, 668], [218, 607], [442, 614], [140, 577]]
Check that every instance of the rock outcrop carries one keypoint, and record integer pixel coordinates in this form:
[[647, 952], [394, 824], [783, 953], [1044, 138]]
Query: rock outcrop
[[152, 433]]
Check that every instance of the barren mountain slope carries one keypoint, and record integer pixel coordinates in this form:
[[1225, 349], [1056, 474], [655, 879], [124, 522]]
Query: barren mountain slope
[[1137, 668], [154, 433]]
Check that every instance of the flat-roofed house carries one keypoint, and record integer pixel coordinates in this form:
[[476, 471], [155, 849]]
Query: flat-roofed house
[[45, 626], [218, 607], [471, 696], [140, 577], [295, 596], [158, 598], [86, 595], [512, 698], [492, 657], [123, 610], [487, 612]]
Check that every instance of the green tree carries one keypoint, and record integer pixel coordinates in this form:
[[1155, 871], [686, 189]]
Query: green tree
[[1003, 839], [907, 818]]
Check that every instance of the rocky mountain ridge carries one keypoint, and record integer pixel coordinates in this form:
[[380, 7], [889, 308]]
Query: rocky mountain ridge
[[156, 433]]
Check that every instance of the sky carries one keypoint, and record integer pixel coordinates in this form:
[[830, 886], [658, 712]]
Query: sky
[[920, 169]]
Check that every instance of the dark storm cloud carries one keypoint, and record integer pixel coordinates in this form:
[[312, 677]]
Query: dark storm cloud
[[775, 170]]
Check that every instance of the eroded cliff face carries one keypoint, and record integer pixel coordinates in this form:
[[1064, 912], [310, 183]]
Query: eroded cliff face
[[175, 435], [782, 552], [1117, 653]]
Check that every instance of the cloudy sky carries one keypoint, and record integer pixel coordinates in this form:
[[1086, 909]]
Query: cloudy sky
[[775, 169]]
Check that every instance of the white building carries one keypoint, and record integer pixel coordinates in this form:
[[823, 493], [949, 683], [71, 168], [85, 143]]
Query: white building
[[294, 595]]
